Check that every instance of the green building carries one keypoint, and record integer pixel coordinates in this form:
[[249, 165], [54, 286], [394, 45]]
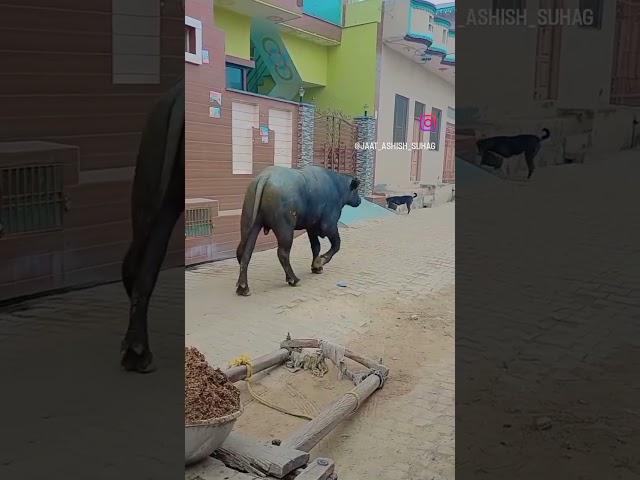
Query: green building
[[326, 50]]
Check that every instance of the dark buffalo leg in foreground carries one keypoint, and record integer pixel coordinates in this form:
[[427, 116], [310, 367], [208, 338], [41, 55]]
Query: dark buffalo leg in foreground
[[285, 241], [334, 238], [315, 250], [244, 252], [140, 273], [157, 201]]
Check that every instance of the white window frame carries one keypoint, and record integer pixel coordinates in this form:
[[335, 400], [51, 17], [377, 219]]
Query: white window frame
[[195, 58]]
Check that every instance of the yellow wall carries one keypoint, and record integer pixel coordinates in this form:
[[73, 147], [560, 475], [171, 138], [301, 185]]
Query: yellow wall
[[351, 73], [344, 76], [366, 11], [309, 58], [237, 29]]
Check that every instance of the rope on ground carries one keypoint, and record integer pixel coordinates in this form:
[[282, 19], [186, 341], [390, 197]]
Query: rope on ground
[[246, 361], [335, 353], [307, 359]]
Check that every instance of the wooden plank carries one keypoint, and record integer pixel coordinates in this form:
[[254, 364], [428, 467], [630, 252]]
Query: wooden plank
[[212, 469], [248, 454], [319, 469], [235, 374], [308, 436]]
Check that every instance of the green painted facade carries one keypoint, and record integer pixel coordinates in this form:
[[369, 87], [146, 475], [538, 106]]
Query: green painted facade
[[272, 59], [341, 77]]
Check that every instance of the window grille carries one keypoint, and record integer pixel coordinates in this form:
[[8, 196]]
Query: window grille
[[31, 198], [198, 222]]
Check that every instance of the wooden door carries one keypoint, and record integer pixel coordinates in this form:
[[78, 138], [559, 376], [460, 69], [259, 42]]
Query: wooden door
[[244, 118], [625, 77], [449, 167], [416, 154], [281, 122], [547, 56]]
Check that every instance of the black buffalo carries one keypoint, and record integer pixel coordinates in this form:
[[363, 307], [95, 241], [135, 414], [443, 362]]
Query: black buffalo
[[283, 200], [157, 202]]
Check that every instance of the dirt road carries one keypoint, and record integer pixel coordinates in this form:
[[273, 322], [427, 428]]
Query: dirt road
[[398, 304]]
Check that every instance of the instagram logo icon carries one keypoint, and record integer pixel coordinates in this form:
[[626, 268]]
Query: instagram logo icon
[[427, 123]]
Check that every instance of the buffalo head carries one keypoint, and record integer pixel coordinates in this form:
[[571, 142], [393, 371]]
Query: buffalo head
[[353, 197]]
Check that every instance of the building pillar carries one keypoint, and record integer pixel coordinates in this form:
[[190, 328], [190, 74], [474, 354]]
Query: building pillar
[[365, 159], [306, 124]]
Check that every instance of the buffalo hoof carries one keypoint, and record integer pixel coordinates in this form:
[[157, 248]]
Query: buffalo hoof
[[293, 282], [243, 290], [316, 269], [136, 358], [318, 263]]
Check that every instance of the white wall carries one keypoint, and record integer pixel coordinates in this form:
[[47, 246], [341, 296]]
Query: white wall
[[396, 17], [400, 75], [508, 53], [586, 62], [498, 53]]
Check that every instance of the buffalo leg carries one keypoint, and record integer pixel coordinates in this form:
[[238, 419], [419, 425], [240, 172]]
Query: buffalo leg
[[131, 262], [244, 254], [244, 236], [239, 252], [315, 250], [136, 354], [334, 238], [130, 267], [285, 241]]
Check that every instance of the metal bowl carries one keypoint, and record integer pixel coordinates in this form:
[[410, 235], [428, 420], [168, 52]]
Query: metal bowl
[[203, 438]]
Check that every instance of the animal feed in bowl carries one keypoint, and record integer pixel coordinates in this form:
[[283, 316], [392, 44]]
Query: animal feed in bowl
[[208, 394]]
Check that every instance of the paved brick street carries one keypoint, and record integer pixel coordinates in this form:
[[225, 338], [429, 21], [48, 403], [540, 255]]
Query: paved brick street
[[547, 324], [398, 305], [81, 388]]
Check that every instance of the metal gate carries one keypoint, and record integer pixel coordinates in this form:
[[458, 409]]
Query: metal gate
[[334, 142], [625, 78]]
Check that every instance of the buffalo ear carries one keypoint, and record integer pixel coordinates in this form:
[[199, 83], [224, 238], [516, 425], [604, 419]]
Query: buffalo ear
[[355, 183]]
